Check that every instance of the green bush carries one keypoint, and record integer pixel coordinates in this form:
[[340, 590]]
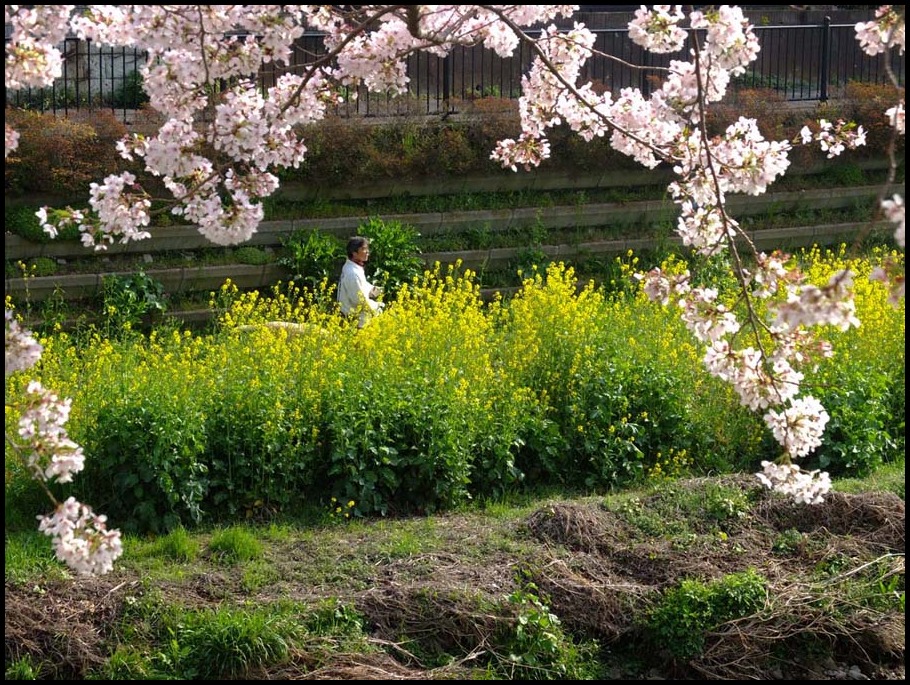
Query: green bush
[[536, 647], [394, 253], [22, 221], [404, 423], [686, 613], [127, 300], [62, 155], [146, 470], [146, 433], [312, 256], [254, 256], [260, 451]]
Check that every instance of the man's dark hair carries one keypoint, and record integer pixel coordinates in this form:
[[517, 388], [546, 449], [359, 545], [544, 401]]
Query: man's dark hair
[[355, 244]]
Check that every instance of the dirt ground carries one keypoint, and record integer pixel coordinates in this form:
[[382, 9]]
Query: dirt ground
[[597, 570]]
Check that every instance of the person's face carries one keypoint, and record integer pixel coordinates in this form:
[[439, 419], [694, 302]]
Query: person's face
[[363, 254]]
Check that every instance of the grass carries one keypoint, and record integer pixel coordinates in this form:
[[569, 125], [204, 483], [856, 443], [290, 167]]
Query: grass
[[299, 595], [890, 477], [235, 544]]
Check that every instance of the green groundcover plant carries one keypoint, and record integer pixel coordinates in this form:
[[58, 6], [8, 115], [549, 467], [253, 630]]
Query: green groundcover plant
[[440, 399]]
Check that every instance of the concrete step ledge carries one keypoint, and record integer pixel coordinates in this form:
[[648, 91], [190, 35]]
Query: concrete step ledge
[[210, 278]]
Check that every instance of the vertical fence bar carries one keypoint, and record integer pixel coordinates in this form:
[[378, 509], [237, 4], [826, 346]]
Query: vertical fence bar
[[52, 105], [464, 58], [502, 79], [447, 82], [823, 70], [87, 73]]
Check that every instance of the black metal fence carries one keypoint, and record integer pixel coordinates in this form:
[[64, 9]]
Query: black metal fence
[[802, 62]]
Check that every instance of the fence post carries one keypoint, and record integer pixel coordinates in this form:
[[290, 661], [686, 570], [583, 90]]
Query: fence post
[[826, 60], [446, 83]]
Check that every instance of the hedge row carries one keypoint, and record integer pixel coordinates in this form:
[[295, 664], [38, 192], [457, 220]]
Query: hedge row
[[64, 155]]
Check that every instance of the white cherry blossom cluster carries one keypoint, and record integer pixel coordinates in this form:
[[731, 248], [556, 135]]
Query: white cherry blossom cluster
[[834, 138], [81, 539], [766, 380], [769, 274], [49, 452], [808, 305], [708, 319], [799, 426], [660, 287], [32, 55], [806, 487], [760, 382], [527, 151], [561, 58], [894, 212], [730, 43], [22, 350], [657, 29], [886, 31], [121, 208], [896, 117]]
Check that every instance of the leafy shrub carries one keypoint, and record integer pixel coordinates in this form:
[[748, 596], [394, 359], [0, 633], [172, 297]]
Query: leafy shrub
[[127, 300], [22, 221], [259, 450], [322, 164], [312, 256], [146, 470], [130, 92], [537, 647], [865, 103], [451, 152], [405, 420], [766, 105], [615, 399], [142, 422], [61, 155], [684, 614], [394, 253]]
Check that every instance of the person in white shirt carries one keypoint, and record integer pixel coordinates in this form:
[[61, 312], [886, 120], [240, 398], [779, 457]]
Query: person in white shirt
[[356, 294]]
